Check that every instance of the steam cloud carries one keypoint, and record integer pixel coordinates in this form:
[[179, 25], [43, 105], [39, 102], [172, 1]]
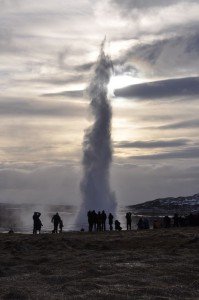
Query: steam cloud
[[97, 145]]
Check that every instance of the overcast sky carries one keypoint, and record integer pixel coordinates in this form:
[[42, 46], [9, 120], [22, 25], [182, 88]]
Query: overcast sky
[[47, 52]]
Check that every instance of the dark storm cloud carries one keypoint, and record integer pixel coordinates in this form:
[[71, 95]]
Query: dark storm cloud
[[7, 45], [162, 89], [189, 43], [152, 144], [85, 67], [189, 153], [193, 44], [128, 5], [56, 81], [167, 56], [149, 52], [15, 107], [118, 67], [70, 94], [189, 124]]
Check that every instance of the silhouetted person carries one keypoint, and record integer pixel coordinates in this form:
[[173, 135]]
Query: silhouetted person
[[196, 222], [146, 223], [36, 222], [90, 220], [175, 220], [94, 219], [61, 225], [190, 219], [103, 216], [167, 222], [128, 220], [181, 221], [156, 224], [39, 226], [140, 224], [56, 221], [99, 221], [117, 225], [110, 221]]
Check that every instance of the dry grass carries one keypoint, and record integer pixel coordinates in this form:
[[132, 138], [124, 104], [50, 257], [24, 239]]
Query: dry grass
[[162, 264]]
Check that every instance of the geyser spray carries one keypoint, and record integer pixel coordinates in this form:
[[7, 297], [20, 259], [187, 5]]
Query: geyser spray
[[97, 144]]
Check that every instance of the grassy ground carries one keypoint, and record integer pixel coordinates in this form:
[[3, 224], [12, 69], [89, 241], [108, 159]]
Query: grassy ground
[[154, 264]]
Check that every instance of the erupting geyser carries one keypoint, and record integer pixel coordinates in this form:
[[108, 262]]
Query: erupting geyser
[[97, 145]]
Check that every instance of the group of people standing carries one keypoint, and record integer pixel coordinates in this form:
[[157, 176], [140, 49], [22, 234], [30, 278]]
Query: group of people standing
[[97, 221], [37, 224], [177, 221], [143, 223]]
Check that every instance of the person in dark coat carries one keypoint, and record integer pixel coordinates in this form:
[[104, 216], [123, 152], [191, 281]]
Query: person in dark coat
[[61, 225], [117, 225], [56, 221], [94, 220], [190, 219], [37, 224], [146, 223], [128, 220], [167, 222], [140, 224], [103, 215], [110, 221], [90, 220], [99, 221]]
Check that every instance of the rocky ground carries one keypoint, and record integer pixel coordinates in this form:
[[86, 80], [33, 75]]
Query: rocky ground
[[153, 264]]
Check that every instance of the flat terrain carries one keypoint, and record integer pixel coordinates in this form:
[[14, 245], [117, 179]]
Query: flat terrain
[[153, 264]]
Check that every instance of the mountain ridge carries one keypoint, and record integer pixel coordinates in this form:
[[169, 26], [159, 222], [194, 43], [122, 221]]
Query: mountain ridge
[[181, 204]]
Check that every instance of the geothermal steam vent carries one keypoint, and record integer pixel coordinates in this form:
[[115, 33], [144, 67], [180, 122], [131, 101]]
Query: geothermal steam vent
[[97, 146]]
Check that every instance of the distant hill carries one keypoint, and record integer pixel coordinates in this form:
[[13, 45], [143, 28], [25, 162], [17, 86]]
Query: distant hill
[[181, 205]]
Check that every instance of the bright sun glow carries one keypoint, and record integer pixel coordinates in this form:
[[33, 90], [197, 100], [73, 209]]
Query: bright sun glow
[[118, 82]]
